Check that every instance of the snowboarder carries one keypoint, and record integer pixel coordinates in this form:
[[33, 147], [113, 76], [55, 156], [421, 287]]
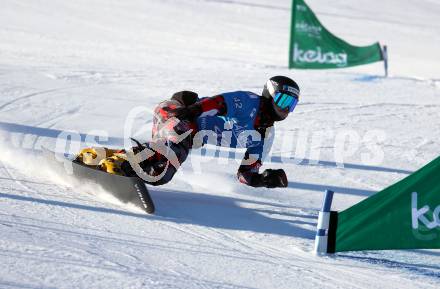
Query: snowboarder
[[181, 123]]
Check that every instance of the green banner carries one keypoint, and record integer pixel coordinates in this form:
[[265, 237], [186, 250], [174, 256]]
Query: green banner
[[405, 215], [312, 46]]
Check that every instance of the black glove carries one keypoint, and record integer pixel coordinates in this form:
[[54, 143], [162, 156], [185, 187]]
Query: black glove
[[274, 178], [186, 113], [186, 97], [269, 178]]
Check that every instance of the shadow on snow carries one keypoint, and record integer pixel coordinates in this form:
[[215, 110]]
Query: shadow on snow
[[199, 209]]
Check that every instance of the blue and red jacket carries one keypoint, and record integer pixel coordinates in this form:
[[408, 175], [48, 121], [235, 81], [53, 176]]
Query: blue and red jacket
[[233, 119]]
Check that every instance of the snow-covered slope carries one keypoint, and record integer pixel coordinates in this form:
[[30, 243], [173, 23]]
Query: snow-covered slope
[[85, 65]]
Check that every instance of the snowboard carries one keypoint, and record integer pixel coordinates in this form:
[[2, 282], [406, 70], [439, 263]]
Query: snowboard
[[126, 189]]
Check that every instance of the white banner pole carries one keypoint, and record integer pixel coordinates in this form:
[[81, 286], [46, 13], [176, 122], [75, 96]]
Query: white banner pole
[[321, 238]]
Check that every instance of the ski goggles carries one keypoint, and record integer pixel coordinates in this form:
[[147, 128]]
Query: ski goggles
[[285, 101]]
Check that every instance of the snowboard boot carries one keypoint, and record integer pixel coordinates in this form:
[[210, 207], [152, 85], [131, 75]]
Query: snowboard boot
[[93, 156], [112, 165]]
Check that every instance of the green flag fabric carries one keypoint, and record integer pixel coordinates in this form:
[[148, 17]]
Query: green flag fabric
[[312, 46], [405, 215]]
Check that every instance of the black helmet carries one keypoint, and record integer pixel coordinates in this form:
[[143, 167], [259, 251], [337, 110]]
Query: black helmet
[[284, 93]]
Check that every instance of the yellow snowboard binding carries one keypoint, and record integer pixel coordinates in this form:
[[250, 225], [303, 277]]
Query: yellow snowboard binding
[[107, 160]]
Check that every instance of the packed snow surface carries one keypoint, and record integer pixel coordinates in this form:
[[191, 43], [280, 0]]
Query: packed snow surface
[[88, 66]]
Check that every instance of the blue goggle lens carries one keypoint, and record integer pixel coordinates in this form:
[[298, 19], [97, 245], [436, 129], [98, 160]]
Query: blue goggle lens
[[285, 101]]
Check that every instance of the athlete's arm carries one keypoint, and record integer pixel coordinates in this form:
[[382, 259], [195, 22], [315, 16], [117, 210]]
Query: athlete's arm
[[214, 105], [206, 106], [248, 174]]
